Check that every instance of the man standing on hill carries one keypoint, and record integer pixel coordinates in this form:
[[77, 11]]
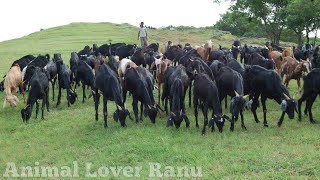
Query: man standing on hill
[[142, 34]]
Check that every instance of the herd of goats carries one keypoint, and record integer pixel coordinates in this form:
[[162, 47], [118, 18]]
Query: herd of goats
[[113, 69]]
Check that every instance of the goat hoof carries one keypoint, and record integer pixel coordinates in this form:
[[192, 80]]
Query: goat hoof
[[197, 125], [279, 124], [244, 127], [312, 121], [266, 125], [257, 121], [231, 129]]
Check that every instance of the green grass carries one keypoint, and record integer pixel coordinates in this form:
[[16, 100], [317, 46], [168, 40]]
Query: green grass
[[71, 134]]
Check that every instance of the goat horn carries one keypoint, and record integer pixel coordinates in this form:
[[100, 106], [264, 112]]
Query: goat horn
[[173, 114], [149, 106], [285, 96], [236, 93], [93, 92], [26, 106], [245, 96], [119, 107]]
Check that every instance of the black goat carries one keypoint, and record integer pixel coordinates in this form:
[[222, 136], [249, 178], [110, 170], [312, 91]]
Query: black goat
[[230, 83], [86, 51], [138, 82], [267, 84], [311, 89], [64, 77], [39, 83], [257, 59], [24, 61], [84, 74], [124, 51], [178, 84], [40, 61], [107, 82], [138, 57], [196, 66], [206, 91], [52, 69], [166, 90]]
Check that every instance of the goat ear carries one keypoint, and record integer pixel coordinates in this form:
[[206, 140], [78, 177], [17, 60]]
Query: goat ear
[[283, 105], [226, 117], [116, 116]]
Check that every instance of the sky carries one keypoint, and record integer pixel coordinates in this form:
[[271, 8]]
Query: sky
[[22, 17]]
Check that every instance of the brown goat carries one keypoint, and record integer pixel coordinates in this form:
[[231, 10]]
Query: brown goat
[[204, 51], [123, 65], [287, 52], [161, 66], [276, 56], [293, 70], [12, 80]]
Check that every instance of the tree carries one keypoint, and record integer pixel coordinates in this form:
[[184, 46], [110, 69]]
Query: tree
[[240, 24], [269, 12], [302, 16]]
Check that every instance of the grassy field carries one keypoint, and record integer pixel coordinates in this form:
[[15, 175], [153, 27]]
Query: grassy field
[[71, 134]]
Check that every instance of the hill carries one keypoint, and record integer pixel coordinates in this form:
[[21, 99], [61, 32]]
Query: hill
[[71, 134]]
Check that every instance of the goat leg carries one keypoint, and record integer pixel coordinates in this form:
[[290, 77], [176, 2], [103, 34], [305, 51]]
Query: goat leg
[[96, 102], [22, 91], [37, 108], [281, 119], [263, 101], [205, 114], [44, 101], [242, 120], [254, 109], [84, 92], [195, 104], [105, 111], [232, 124], [309, 103], [47, 99], [59, 96], [135, 108]]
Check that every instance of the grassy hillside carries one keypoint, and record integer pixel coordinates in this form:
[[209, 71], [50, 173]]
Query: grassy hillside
[[71, 134]]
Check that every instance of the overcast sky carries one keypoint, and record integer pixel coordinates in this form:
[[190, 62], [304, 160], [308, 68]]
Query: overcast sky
[[22, 17]]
